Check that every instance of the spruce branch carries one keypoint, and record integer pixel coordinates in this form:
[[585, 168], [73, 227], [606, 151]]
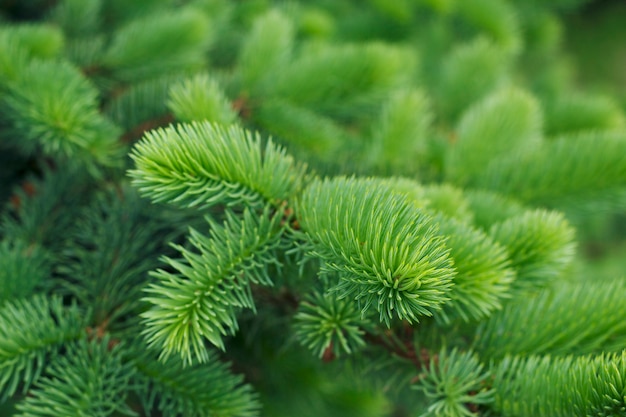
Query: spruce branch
[[200, 299], [575, 113], [159, 44], [77, 18], [23, 269], [140, 105], [200, 390], [579, 172], [448, 200], [387, 252], [561, 386], [540, 244], [497, 19], [489, 208], [91, 379], [204, 164], [51, 106], [33, 330], [27, 40], [308, 134], [484, 273], [399, 137], [115, 242], [498, 125], [455, 384], [343, 81], [266, 49], [550, 323], [469, 72], [43, 209], [200, 98], [328, 325]]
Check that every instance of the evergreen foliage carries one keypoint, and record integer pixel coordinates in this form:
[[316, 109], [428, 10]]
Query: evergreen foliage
[[329, 208]]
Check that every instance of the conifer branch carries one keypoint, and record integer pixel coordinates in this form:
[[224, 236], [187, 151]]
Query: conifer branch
[[561, 386], [202, 164], [159, 44], [456, 385], [33, 330], [550, 323], [540, 245], [23, 269], [387, 252], [328, 325], [199, 390], [51, 106], [578, 172], [484, 274], [90, 380], [200, 300]]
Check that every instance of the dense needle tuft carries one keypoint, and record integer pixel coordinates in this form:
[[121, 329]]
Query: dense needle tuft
[[387, 251]]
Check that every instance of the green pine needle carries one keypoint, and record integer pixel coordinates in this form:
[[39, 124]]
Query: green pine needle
[[159, 44], [33, 330], [53, 107], [204, 164], [325, 323], [550, 323], [387, 251], [536, 386], [23, 269], [454, 383], [200, 98], [200, 300], [540, 244], [500, 124], [484, 273], [199, 390], [90, 380]]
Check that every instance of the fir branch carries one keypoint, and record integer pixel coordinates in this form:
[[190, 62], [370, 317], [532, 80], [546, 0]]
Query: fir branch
[[548, 386], [386, 250], [199, 301], [574, 113], [23, 269], [199, 390], [550, 323], [540, 245], [576, 172], [159, 44], [115, 241], [399, 137], [90, 380], [51, 106], [200, 98], [484, 273], [266, 48], [489, 208], [33, 330], [455, 384], [204, 164], [329, 326], [468, 73], [500, 124], [343, 81]]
